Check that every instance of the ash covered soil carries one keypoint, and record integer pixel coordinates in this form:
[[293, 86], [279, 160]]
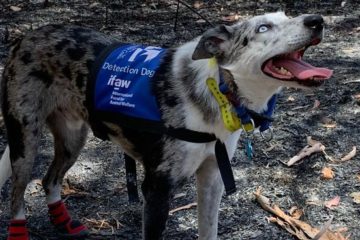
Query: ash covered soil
[[95, 188]]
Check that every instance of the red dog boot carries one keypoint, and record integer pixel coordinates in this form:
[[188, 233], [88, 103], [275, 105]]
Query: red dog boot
[[17, 230], [61, 219]]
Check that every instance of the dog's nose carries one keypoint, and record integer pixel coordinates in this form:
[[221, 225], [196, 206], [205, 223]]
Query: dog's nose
[[313, 21]]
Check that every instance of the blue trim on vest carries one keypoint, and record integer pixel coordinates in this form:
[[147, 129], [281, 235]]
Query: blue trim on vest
[[124, 82]]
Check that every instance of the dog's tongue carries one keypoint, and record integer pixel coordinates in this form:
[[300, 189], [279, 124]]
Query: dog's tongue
[[302, 70]]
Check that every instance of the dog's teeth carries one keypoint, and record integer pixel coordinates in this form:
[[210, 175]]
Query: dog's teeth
[[284, 71]]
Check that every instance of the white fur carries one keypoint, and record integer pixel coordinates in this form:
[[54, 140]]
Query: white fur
[[54, 194], [20, 215], [209, 191], [5, 166]]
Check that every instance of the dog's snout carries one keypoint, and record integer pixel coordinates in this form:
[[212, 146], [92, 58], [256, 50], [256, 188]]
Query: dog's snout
[[314, 21]]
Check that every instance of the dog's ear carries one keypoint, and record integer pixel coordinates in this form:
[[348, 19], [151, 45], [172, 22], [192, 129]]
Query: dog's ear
[[213, 42]]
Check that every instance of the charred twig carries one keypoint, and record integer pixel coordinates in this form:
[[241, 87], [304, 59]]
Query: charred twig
[[176, 16], [106, 14], [196, 12]]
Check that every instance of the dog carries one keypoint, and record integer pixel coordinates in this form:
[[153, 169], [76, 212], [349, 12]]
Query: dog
[[45, 83]]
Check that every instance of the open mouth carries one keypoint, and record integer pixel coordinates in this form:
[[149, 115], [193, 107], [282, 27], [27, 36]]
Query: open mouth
[[291, 67]]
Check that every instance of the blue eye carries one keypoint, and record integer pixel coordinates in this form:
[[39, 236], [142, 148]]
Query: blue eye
[[263, 28]]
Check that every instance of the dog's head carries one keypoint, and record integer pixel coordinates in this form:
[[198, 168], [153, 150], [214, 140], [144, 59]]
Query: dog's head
[[266, 50]]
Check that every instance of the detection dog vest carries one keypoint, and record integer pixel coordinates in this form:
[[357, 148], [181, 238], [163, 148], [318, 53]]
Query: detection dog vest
[[124, 82]]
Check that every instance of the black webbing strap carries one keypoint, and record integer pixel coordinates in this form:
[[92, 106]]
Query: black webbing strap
[[226, 172], [188, 136], [131, 179], [221, 154]]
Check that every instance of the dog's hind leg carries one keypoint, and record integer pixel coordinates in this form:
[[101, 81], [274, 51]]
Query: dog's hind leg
[[23, 130], [209, 192], [23, 143], [69, 138], [5, 167]]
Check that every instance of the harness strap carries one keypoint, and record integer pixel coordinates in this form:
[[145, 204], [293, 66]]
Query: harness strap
[[222, 157], [188, 136], [225, 168], [131, 179]]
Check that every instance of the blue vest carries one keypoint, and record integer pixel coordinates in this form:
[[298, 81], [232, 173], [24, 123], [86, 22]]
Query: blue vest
[[124, 82]]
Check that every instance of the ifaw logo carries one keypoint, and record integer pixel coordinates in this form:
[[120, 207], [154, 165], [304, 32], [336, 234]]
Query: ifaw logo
[[150, 53]]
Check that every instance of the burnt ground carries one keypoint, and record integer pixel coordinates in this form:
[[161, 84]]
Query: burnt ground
[[95, 186]]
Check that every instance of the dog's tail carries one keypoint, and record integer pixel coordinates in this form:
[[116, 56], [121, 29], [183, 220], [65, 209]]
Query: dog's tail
[[5, 166]]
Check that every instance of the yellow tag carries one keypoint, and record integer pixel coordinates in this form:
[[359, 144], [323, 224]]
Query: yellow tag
[[231, 121], [212, 62], [248, 127]]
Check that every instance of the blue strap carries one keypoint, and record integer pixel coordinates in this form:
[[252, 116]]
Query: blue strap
[[265, 124], [240, 109]]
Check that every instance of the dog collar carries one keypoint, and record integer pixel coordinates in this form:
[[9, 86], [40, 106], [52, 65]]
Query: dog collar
[[242, 117], [231, 120], [262, 120]]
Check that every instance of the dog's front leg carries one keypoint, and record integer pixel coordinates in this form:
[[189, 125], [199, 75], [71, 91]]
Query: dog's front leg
[[210, 189], [156, 190], [209, 192]]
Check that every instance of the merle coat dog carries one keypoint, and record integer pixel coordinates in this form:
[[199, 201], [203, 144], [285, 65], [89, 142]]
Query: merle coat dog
[[44, 84]]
